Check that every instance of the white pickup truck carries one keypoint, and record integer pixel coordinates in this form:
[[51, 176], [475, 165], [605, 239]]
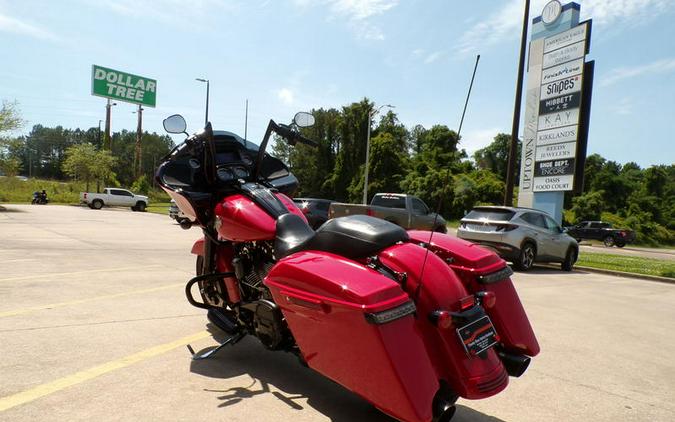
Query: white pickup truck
[[114, 197]]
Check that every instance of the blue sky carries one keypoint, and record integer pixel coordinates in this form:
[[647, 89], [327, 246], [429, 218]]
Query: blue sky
[[285, 56]]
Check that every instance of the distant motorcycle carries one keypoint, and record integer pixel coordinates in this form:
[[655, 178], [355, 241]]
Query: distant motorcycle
[[40, 198]]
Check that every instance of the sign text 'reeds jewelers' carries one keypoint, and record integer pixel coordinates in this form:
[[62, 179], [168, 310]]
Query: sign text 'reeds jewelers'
[[123, 86], [556, 151]]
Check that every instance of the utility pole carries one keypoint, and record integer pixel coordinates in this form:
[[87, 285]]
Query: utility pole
[[107, 143], [139, 133], [513, 148], [99, 133]]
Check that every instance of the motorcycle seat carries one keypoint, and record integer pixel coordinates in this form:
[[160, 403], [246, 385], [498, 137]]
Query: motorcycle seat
[[354, 236]]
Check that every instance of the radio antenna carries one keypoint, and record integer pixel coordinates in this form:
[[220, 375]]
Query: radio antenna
[[445, 185]]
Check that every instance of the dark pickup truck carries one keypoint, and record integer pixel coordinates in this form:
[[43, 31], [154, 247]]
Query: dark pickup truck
[[600, 230]]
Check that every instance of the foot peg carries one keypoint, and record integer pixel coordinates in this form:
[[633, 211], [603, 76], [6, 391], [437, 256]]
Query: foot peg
[[231, 341]]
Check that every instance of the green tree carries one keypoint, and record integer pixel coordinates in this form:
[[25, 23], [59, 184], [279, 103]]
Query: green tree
[[588, 206], [10, 117], [79, 162], [495, 156]]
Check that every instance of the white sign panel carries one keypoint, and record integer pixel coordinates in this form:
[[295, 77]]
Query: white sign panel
[[556, 151], [561, 87], [557, 135], [571, 36], [564, 70], [565, 54], [559, 119], [553, 183]]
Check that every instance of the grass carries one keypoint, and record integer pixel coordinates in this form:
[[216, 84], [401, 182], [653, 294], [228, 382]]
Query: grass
[[17, 191], [159, 207], [628, 264]]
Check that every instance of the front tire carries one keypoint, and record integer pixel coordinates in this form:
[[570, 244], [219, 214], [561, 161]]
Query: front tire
[[441, 229], [570, 259], [140, 206], [609, 241], [528, 254], [620, 244], [97, 204]]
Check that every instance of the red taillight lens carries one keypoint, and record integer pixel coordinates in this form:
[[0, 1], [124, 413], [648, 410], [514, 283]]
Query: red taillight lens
[[487, 299], [370, 212], [466, 303], [442, 319], [623, 234]]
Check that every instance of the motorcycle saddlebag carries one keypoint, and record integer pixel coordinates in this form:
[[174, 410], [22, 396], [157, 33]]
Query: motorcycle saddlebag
[[356, 327], [479, 270]]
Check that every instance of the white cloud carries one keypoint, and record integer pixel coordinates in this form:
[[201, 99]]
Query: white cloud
[[433, 57], [10, 24], [506, 23], [171, 11], [620, 73], [286, 96], [624, 107], [358, 14], [476, 139]]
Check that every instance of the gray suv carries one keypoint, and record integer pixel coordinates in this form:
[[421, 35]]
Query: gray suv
[[520, 235]]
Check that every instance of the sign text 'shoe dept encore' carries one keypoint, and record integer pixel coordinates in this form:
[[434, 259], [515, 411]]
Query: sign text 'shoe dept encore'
[[123, 86]]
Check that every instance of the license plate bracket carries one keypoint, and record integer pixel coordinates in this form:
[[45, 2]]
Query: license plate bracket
[[478, 336]]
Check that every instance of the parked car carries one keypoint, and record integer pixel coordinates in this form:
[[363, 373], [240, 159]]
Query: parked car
[[178, 215], [114, 197], [600, 230], [520, 235], [407, 211], [314, 209]]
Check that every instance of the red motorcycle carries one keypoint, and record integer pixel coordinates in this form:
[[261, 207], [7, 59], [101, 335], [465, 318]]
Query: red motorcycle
[[408, 321]]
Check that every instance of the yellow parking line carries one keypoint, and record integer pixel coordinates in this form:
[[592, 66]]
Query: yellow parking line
[[102, 270], [94, 372], [91, 299]]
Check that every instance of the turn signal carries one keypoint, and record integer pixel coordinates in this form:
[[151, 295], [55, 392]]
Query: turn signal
[[487, 299], [442, 319]]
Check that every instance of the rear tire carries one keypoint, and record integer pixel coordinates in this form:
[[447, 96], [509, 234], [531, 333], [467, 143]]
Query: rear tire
[[441, 229], [525, 261], [620, 244], [608, 241], [97, 204], [570, 259]]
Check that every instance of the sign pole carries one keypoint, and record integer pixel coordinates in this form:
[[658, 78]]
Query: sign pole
[[513, 147], [107, 144], [139, 134]]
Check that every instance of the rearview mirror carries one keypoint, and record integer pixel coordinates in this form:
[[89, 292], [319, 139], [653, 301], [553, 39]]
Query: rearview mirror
[[303, 119], [175, 124]]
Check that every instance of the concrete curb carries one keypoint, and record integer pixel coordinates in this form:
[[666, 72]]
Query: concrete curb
[[628, 275]]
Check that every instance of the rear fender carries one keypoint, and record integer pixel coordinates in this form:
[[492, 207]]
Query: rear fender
[[483, 270], [441, 289]]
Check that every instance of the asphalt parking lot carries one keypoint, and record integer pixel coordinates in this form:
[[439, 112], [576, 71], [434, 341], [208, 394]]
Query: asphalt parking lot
[[94, 326]]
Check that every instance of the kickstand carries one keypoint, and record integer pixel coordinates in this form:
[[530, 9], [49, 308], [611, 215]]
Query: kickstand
[[231, 341]]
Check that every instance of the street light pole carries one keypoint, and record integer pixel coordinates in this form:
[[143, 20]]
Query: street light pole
[[365, 181], [206, 118]]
